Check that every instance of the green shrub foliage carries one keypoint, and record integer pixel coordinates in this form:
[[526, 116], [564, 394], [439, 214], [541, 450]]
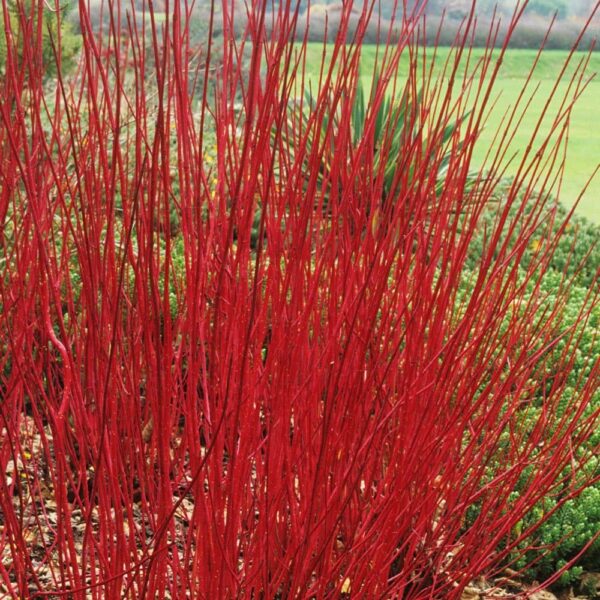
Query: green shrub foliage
[[24, 25]]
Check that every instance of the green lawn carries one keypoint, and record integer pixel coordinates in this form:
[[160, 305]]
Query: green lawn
[[583, 154]]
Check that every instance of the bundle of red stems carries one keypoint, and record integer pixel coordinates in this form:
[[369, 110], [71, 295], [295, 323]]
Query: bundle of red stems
[[333, 405]]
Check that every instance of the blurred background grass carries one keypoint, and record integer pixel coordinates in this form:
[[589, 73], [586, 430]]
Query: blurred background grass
[[583, 154]]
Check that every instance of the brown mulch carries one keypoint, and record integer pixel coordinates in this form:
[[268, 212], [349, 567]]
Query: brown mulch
[[29, 470]]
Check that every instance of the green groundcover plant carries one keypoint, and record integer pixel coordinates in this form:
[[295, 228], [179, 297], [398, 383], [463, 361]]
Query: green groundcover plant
[[574, 527], [576, 524]]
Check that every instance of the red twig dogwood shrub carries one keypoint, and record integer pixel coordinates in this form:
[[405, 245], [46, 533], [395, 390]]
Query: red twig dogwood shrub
[[333, 406]]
